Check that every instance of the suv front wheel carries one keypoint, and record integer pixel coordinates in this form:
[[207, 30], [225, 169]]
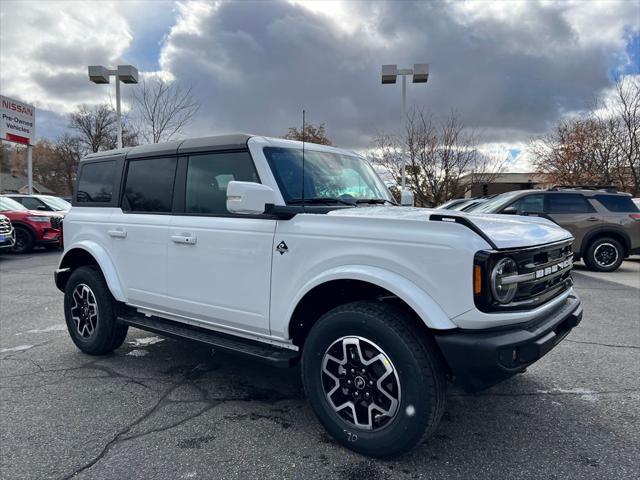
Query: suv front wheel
[[375, 382], [604, 255], [24, 240], [90, 312]]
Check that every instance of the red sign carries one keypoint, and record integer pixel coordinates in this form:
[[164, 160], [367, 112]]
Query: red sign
[[17, 138], [17, 121]]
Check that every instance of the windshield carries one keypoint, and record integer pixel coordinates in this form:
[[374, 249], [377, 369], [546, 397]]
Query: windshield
[[56, 203], [496, 203], [326, 175], [6, 205]]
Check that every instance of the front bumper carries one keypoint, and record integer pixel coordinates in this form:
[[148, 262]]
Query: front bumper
[[8, 240], [480, 359]]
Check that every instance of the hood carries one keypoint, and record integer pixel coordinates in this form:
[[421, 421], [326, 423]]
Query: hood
[[505, 231]]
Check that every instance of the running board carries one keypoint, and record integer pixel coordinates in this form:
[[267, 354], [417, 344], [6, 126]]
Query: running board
[[276, 356]]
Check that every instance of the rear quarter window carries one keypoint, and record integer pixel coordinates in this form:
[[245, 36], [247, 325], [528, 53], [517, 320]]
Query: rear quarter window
[[96, 182], [617, 203], [568, 203]]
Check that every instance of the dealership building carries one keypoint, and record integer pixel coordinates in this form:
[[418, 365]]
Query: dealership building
[[503, 182]]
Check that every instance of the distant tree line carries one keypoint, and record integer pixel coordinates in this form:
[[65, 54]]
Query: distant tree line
[[601, 146]]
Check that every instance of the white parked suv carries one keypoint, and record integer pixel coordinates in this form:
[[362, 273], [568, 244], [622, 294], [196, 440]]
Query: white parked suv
[[258, 246]]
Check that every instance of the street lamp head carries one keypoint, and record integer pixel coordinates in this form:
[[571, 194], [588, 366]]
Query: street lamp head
[[420, 72], [98, 74], [389, 73], [127, 74]]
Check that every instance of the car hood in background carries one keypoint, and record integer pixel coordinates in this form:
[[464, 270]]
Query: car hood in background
[[505, 231]]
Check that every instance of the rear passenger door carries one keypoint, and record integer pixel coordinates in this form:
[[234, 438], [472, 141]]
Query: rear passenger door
[[573, 212], [219, 267], [139, 230]]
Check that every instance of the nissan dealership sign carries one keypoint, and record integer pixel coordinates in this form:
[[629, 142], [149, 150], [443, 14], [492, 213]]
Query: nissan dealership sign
[[18, 121]]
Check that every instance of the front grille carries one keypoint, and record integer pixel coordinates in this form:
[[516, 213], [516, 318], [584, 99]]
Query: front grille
[[544, 272], [56, 222], [5, 226], [550, 270]]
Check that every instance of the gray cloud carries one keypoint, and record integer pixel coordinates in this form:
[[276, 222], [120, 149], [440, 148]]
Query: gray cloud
[[256, 65]]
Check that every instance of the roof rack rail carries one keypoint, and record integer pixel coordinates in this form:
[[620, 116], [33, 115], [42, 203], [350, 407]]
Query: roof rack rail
[[606, 188]]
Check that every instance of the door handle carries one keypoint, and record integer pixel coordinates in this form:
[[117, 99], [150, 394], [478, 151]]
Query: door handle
[[118, 233], [186, 239], [592, 219]]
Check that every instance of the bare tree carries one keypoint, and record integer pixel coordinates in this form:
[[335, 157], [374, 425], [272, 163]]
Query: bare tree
[[95, 126], [442, 159], [566, 153], [163, 109], [627, 108], [598, 147], [311, 134], [69, 152]]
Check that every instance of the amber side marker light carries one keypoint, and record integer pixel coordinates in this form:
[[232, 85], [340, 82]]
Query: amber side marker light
[[477, 279]]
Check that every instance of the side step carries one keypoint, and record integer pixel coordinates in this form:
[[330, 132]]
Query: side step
[[276, 356]]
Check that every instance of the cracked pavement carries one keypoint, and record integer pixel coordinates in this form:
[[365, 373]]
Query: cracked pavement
[[162, 408]]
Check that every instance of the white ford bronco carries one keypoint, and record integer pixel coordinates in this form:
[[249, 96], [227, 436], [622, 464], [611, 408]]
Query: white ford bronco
[[295, 253]]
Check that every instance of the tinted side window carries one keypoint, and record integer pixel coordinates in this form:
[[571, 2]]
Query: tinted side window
[[569, 203], [529, 204], [96, 182], [617, 203], [208, 177], [149, 185]]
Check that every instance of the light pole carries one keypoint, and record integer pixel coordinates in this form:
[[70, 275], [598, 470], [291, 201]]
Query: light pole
[[123, 73], [420, 74]]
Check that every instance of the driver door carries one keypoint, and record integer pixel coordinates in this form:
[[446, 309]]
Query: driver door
[[219, 264]]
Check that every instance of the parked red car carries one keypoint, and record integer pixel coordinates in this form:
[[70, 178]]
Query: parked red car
[[31, 227]]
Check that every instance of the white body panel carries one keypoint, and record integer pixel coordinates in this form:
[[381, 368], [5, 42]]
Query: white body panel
[[408, 255], [224, 277], [138, 245], [224, 272]]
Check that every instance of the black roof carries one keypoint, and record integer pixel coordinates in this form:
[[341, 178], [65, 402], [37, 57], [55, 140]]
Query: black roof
[[190, 145]]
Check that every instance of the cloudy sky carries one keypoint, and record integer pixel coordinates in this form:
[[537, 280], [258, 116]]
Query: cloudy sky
[[510, 69]]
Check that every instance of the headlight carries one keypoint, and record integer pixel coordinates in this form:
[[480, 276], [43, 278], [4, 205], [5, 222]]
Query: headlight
[[503, 290], [38, 219]]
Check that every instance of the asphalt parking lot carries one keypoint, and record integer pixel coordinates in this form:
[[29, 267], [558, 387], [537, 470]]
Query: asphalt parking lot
[[161, 408]]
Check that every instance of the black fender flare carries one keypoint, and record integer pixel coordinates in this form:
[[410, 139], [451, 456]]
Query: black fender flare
[[602, 231]]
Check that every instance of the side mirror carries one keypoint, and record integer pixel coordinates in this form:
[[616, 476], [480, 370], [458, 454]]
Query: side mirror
[[406, 198], [510, 211], [249, 198], [41, 207]]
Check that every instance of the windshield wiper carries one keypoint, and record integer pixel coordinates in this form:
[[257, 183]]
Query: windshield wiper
[[375, 201], [320, 200]]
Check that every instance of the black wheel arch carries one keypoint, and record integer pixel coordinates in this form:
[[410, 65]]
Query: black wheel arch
[[611, 231], [73, 259], [331, 294]]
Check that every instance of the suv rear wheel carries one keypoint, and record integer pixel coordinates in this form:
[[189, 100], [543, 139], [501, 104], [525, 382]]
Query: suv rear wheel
[[375, 383], [90, 312], [604, 254]]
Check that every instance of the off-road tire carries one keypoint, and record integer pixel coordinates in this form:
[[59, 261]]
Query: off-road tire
[[594, 248], [108, 334], [416, 358]]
